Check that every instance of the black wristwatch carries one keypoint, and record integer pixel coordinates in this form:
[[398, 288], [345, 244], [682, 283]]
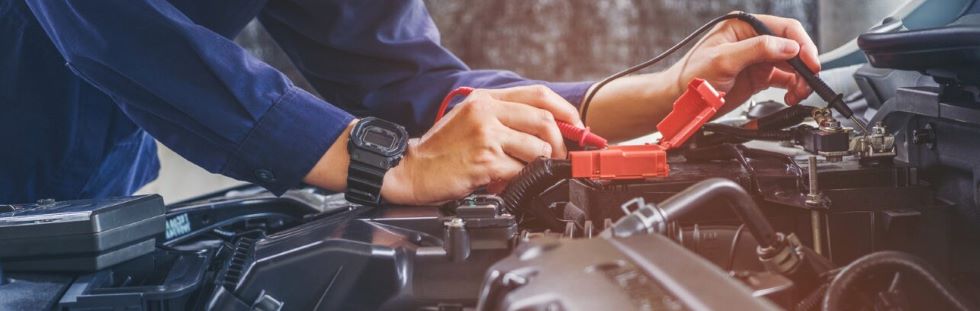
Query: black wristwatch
[[375, 146]]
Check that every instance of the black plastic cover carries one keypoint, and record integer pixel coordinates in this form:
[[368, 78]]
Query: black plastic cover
[[163, 280], [951, 51], [80, 262], [82, 235], [57, 219]]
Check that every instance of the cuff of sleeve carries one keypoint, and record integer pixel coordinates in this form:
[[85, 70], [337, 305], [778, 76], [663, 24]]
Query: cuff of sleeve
[[573, 92], [287, 141]]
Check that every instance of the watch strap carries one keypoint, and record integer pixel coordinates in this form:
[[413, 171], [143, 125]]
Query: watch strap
[[364, 183]]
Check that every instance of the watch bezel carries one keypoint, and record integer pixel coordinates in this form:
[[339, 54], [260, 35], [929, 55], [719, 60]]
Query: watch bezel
[[366, 124]]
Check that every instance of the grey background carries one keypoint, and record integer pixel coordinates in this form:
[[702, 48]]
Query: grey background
[[558, 40]]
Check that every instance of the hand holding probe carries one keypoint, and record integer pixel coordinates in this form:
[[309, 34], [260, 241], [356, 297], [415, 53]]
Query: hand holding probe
[[833, 99]]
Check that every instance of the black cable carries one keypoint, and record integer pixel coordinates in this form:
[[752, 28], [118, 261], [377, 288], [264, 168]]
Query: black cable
[[844, 284], [652, 61]]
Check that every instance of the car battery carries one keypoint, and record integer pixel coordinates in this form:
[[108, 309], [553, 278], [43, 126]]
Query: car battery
[[81, 235]]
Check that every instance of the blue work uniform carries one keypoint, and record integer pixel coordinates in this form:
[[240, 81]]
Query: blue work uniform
[[83, 82]]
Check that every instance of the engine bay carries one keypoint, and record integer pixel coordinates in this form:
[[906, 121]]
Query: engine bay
[[783, 208]]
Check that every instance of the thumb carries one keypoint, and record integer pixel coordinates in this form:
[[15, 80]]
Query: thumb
[[759, 49]]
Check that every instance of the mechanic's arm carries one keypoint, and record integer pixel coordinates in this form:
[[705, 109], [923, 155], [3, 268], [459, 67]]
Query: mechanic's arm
[[383, 58], [198, 92], [730, 56], [221, 108]]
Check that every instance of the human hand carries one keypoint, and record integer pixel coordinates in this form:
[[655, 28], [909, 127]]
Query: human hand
[[736, 60], [487, 138]]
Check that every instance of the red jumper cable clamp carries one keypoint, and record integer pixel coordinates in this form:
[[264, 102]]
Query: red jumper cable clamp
[[582, 136], [695, 107]]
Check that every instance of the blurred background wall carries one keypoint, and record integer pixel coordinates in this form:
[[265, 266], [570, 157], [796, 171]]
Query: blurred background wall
[[558, 40]]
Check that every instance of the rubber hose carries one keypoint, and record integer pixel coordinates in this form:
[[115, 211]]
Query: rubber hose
[[845, 282], [534, 178], [701, 194], [655, 217], [770, 135]]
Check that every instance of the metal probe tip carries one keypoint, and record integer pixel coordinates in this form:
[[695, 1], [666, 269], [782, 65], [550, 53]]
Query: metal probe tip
[[857, 121]]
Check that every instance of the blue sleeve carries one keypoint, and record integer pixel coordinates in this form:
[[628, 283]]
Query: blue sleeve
[[381, 58], [194, 90]]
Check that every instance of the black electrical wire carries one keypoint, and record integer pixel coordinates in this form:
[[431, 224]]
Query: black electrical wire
[[652, 61], [845, 283]]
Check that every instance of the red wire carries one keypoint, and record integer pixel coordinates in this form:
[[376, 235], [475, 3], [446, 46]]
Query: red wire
[[465, 91], [582, 136]]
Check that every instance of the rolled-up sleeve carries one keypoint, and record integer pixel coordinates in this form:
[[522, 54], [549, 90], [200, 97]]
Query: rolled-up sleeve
[[382, 58], [194, 90]]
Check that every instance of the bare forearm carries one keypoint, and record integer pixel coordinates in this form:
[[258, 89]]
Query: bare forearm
[[632, 106]]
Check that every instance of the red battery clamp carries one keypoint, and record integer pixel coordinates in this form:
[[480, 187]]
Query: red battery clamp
[[694, 108]]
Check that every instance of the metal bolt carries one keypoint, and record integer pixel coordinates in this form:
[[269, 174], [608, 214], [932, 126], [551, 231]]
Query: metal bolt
[[878, 129], [812, 169], [815, 200]]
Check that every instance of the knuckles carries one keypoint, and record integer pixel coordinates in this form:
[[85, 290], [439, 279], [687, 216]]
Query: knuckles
[[539, 91], [795, 23], [484, 156], [475, 107], [546, 117], [765, 42]]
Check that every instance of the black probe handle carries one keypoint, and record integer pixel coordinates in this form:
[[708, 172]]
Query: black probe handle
[[833, 99]]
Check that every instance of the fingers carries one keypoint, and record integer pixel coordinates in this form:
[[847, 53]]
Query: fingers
[[796, 88], [769, 76], [539, 123], [736, 56], [792, 29], [541, 97], [523, 146]]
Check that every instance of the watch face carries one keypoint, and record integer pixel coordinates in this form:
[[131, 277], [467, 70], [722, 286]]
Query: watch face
[[380, 138]]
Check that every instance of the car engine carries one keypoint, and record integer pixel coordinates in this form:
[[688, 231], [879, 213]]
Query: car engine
[[782, 208]]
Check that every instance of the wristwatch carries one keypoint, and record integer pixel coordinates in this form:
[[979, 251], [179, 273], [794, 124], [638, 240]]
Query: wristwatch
[[375, 146]]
